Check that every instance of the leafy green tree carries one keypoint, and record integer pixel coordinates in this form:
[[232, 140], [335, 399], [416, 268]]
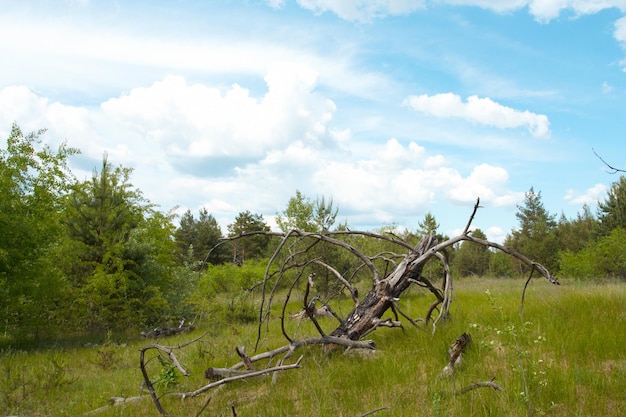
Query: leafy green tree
[[612, 211], [33, 178], [196, 237], [500, 265], [252, 247], [604, 258], [297, 215], [472, 259], [536, 236]]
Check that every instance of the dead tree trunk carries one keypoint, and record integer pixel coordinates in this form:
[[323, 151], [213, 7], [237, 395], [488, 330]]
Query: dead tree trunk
[[384, 294]]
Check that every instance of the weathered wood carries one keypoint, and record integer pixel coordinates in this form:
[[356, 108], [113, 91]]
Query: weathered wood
[[366, 315], [456, 351], [165, 332]]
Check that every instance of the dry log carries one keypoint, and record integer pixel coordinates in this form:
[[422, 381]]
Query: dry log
[[215, 374], [165, 332], [240, 377]]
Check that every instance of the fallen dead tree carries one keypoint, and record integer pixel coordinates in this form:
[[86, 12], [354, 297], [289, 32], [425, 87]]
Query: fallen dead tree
[[168, 331], [386, 290], [293, 258]]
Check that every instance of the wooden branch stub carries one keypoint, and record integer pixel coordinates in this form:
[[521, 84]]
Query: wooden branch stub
[[456, 350], [241, 351]]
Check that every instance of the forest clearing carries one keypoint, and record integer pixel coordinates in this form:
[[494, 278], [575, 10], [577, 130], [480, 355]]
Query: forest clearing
[[563, 357]]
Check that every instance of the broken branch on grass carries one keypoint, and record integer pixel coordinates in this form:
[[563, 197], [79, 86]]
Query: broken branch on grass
[[246, 375], [483, 384]]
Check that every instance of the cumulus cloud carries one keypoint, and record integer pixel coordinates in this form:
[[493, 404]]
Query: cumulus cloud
[[403, 181], [362, 10], [589, 196], [198, 121], [483, 111]]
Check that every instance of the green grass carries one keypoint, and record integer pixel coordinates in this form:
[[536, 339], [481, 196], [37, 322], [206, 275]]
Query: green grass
[[564, 357]]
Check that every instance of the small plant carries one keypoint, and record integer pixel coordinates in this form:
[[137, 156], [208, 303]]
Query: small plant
[[57, 374], [106, 353], [168, 378]]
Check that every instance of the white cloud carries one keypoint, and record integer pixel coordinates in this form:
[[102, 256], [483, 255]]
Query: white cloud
[[480, 110], [546, 10], [201, 121], [276, 4], [607, 88], [363, 10], [620, 30], [495, 234], [487, 182], [366, 10], [589, 196], [499, 6], [543, 10]]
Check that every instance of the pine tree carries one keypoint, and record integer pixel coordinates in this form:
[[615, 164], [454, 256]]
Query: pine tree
[[535, 237], [612, 211]]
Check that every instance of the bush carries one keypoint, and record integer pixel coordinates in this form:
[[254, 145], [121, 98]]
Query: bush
[[603, 258]]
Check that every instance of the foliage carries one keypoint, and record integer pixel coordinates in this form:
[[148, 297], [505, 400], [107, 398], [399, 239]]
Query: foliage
[[535, 237], [500, 265], [222, 290], [196, 237], [429, 226], [603, 258], [612, 211], [573, 235], [572, 359], [472, 259], [117, 254], [324, 215], [32, 179], [297, 215], [318, 216], [252, 247]]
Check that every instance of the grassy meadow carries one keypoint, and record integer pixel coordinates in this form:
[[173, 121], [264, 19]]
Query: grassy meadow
[[564, 356]]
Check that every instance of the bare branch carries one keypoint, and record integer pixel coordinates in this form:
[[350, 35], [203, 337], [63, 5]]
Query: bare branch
[[613, 169], [240, 377], [474, 385], [471, 219]]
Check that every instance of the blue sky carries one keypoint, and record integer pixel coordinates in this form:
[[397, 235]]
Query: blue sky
[[394, 108]]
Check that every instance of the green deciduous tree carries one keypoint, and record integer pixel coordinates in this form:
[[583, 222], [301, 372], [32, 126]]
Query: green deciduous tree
[[33, 178], [604, 258], [297, 215]]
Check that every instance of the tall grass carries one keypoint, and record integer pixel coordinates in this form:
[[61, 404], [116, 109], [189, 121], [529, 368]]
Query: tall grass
[[564, 356]]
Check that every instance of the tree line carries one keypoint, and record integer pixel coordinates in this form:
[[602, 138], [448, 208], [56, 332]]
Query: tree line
[[96, 255]]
